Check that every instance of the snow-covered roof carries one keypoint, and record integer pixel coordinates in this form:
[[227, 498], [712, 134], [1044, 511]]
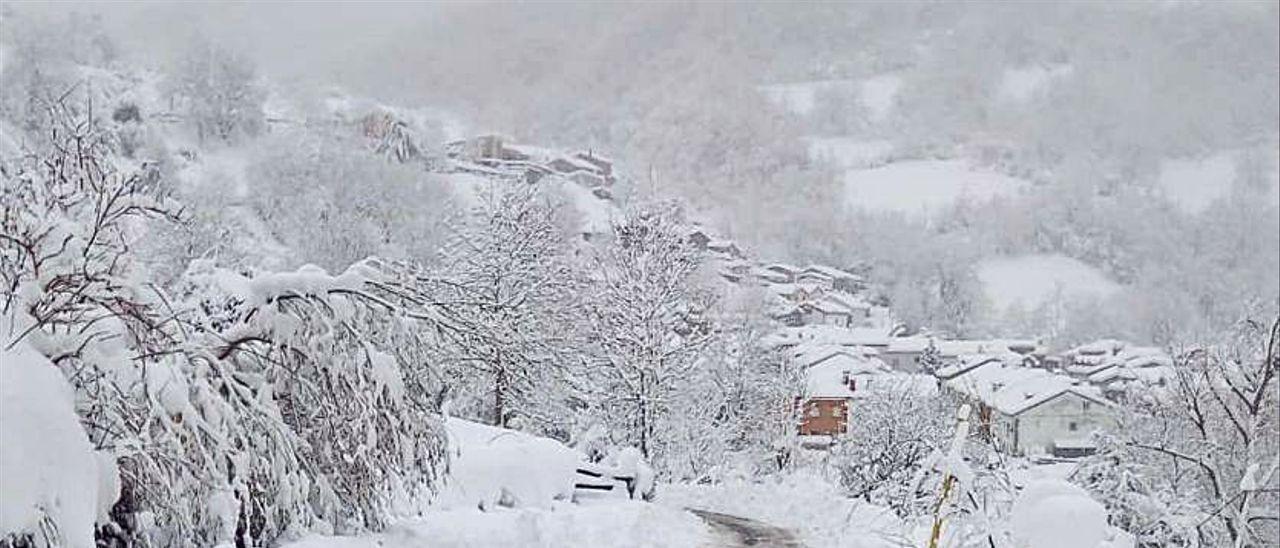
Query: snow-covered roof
[[827, 377], [1103, 346], [827, 306], [851, 302], [908, 344], [782, 267], [829, 271], [1013, 389], [829, 334]]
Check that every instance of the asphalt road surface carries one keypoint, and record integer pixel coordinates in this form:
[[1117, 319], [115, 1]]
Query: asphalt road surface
[[735, 532]]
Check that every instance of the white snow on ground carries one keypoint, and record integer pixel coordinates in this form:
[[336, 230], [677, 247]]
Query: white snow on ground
[[1193, 184], [849, 153], [920, 187], [48, 467], [507, 489], [1023, 83], [1033, 279], [606, 524], [808, 505]]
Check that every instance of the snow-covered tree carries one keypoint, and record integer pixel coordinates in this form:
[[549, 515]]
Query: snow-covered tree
[[930, 357], [216, 89], [893, 432], [649, 327], [329, 201], [508, 280], [739, 403], [1196, 463]]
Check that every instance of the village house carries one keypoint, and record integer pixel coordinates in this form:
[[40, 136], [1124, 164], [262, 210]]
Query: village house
[[826, 311], [725, 249], [860, 308], [781, 273], [832, 379], [834, 278], [1118, 368], [1028, 411]]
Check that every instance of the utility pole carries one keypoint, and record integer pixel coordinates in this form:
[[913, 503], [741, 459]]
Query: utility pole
[[942, 509]]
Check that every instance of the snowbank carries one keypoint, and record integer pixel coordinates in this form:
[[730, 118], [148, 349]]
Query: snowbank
[[921, 187], [48, 467], [1055, 514], [620, 524], [812, 507], [1033, 279], [494, 467]]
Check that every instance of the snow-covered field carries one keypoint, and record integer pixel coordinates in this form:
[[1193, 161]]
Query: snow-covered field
[[921, 187], [1029, 280]]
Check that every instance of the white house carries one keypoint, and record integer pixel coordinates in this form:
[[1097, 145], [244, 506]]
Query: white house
[[1026, 410]]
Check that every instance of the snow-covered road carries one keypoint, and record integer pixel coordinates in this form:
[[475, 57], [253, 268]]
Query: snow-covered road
[[734, 532]]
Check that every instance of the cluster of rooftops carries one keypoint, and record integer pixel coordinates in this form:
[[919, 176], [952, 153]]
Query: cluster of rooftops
[[493, 155], [1008, 375]]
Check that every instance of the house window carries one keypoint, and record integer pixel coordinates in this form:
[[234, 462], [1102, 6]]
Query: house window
[[1072, 427], [815, 412], [1086, 406]]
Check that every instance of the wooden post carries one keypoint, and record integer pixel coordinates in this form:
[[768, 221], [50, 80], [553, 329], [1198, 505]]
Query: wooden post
[[940, 510]]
